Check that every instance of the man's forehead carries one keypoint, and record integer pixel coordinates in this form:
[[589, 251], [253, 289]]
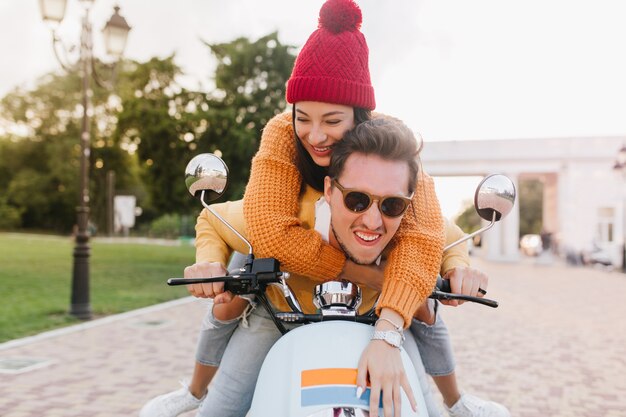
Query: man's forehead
[[375, 174]]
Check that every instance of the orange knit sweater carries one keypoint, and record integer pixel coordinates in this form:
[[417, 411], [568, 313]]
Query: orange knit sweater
[[271, 213]]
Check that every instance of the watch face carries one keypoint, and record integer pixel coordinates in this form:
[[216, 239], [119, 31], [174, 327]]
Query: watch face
[[393, 338], [389, 336]]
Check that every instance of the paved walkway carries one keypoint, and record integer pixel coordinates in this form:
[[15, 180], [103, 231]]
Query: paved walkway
[[556, 346]]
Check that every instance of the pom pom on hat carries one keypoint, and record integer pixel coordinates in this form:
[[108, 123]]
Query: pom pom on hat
[[333, 65], [340, 15]]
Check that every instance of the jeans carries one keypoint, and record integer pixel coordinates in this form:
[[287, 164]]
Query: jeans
[[214, 337], [233, 386], [433, 342]]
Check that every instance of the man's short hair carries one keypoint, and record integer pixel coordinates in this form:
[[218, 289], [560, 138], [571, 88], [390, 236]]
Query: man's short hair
[[386, 137]]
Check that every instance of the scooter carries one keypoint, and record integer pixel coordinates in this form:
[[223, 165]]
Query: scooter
[[322, 383]]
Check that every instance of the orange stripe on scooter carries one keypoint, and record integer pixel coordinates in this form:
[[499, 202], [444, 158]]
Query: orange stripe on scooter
[[328, 376]]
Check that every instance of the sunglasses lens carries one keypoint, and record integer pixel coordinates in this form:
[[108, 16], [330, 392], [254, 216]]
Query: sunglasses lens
[[393, 206], [356, 201]]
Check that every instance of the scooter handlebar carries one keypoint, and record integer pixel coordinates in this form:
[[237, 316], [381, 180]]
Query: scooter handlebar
[[240, 284], [443, 291]]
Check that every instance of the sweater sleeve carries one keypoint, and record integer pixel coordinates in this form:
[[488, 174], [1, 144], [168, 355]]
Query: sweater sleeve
[[415, 259], [458, 255], [271, 208]]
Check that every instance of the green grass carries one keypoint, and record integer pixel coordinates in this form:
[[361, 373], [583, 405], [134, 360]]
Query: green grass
[[35, 280]]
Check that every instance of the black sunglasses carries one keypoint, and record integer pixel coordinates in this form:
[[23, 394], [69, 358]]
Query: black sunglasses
[[360, 201]]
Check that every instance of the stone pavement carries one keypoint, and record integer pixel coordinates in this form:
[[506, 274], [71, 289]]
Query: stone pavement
[[556, 346]]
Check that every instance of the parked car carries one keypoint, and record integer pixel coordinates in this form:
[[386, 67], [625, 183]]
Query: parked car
[[596, 256], [531, 245]]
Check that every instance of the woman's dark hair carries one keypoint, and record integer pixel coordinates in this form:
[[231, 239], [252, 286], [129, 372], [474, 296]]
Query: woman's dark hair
[[313, 174]]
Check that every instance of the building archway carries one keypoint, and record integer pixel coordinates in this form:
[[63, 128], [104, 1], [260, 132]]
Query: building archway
[[583, 199]]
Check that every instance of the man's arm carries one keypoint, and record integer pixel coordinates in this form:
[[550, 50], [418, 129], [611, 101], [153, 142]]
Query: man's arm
[[458, 255], [215, 242]]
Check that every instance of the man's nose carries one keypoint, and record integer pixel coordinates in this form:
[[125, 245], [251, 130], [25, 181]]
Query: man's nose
[[372, 218]]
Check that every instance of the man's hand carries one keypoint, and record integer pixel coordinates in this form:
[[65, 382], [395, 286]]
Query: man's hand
[[213, 290], [466, 281], [426, 312]]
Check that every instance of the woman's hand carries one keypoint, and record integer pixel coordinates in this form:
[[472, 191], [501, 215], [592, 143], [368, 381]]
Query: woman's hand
[[466, 281], [383, 364], [213, 290]]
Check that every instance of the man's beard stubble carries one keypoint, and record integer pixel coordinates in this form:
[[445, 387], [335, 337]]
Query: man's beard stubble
[[345, 250]]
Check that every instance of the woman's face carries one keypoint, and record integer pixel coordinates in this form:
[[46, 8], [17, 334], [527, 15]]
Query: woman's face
[[320, 125]]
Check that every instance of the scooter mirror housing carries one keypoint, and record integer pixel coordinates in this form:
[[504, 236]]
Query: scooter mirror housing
[[494, 199], [206, 172], [206, 178], [494, 194]]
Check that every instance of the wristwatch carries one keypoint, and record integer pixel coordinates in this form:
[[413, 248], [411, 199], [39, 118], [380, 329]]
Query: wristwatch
[[392, 337]]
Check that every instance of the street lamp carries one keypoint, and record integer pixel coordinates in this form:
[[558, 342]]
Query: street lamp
[[115, 34], [620, 167]]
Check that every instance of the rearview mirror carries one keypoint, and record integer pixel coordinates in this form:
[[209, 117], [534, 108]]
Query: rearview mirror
[[206, 172], [494, 199], [494, 195]]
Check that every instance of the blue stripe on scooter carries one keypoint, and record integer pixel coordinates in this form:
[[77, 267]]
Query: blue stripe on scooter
[[335, 395]]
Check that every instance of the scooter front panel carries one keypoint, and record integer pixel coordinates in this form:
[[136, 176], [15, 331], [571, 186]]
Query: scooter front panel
[[312, 370]]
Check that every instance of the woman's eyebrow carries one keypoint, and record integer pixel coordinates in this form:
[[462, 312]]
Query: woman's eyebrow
[[332, 113]]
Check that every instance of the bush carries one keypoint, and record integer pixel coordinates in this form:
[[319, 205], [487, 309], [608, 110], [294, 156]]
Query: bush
[[10, 217], [166, 226]]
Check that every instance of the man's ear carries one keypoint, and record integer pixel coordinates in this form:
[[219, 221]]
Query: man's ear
[[327, 188]]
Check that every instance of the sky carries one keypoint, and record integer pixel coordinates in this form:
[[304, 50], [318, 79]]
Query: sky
[[451, 69]]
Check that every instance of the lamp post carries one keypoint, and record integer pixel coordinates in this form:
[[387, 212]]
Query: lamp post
[[115, 34], [620, 167]]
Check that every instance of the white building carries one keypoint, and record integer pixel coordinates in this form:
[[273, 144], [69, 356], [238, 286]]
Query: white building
[[584, 198]]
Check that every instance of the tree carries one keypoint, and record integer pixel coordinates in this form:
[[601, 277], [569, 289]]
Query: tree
[[468, 220], [146, 133], [250, 84], [155, 122], [530, 207], [168, 124], [41, 166]]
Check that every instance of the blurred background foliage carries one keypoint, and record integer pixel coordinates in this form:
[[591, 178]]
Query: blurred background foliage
[[145, 130]]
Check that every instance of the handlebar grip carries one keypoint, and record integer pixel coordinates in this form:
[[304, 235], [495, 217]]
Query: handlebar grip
[[186, 281], [438, 295], [366, 319], [443, 284], [443, 291]]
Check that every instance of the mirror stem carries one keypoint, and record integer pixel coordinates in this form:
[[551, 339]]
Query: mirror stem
[[471, 235]]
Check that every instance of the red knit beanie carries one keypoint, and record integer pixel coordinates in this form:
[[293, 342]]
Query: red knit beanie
[[333, 64]]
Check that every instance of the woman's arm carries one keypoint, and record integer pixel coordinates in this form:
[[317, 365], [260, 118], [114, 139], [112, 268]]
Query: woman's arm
[[415, 260], [271, 204], [382, 363]]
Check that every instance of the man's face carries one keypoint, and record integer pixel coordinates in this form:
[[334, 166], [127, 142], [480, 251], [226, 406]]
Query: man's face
[[364, 235]]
